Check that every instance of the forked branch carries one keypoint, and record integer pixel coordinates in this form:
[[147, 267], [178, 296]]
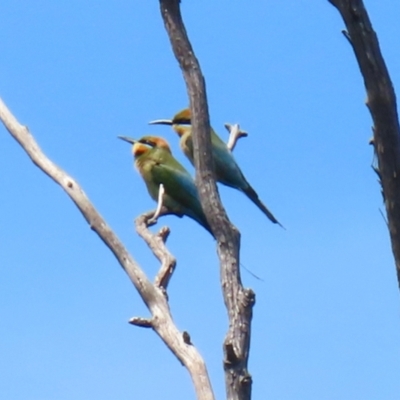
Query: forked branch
[[235, 133]]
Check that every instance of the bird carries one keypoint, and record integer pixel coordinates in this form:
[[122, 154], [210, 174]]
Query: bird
[[157, 166], [227, 171]]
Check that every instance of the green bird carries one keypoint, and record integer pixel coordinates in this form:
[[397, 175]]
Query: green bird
[[156, 165], [227, 170]]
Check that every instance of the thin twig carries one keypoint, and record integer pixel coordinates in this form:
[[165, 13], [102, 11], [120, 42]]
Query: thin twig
[[156, 243]]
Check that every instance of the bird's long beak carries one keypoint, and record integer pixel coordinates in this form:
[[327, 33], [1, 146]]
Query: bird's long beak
[[128, 139], [161, 122]]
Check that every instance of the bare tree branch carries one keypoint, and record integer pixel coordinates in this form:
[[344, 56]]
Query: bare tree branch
[[381, 102], [157, 246], [153, 295], [235, 133], [238, 301]]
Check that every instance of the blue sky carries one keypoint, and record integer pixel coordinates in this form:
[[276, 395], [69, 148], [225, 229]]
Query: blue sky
[[326, 321]]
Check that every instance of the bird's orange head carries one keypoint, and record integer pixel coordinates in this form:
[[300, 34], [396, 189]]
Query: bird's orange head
[[145, 144], [139, 148], [154, 141], [183, 117]]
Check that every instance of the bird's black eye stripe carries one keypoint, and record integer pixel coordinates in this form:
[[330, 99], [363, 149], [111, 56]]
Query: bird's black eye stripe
[[182, 121], [148, 142]]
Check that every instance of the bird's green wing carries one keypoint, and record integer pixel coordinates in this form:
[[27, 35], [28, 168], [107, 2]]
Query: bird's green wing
[[178, 184]]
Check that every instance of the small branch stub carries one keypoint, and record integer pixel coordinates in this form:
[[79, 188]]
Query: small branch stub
[[230, 355], [235, 133], [186, 337], [246, 380], [141, 322], [163, 233]]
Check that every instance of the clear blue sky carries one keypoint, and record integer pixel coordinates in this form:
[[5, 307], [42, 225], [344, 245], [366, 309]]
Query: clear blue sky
[[326, 323]]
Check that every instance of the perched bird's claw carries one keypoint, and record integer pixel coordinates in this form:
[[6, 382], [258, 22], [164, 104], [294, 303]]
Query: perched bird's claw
[[235, 133], [161, 192]]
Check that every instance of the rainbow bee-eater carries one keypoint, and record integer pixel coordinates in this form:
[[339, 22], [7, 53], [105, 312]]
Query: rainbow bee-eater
[[157, 166], [227, 170]]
